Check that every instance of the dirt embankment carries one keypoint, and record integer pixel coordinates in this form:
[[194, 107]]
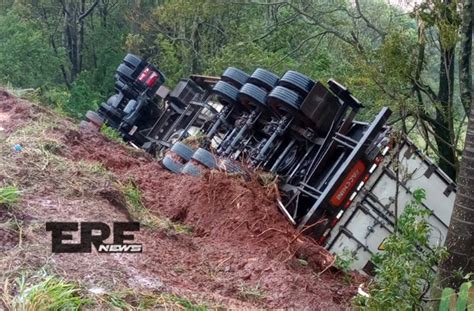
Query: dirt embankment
[[241, 252]]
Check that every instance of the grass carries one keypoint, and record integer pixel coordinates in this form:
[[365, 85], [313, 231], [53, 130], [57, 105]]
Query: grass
[[41, 161], [93, 167], [31, 292], [185, 303], [138, 211], [196, 141], [250, 293], [133, 300], [111, 134], [51, 293], [9, 195], [135, 206], [267, 179]]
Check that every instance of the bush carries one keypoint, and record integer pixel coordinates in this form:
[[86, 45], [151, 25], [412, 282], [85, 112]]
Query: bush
[[83, 96], [404, 269]]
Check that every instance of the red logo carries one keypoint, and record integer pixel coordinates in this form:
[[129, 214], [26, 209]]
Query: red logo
[[348, 184]]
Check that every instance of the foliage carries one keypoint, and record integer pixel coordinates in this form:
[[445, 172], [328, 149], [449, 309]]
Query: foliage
[[404, 269], [461, 301], [9, 195], [26, 59], [111, 134], [344, 260]]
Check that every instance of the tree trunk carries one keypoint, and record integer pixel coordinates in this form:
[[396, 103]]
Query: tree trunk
[[460, 238], [465, 70], [444, 128]]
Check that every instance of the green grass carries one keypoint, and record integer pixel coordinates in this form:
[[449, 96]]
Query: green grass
[[140, 213], [186, 304], [52, 293], [135, 206], [9, 195], [111, 134], [133, 300]]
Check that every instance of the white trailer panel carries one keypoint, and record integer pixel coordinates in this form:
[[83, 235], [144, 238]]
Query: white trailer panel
[[371, 216]]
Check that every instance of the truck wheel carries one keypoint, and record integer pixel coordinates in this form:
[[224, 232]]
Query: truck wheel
[[182, 150], [205, 158], [297, 82], [87, 125], [111, 111], [235, 77], [125, 72], [264, 78], [226, 92], [284, 100], [95, 118], [111, 100], [132, 60], [172, 165], [251, 95], [191, 169]]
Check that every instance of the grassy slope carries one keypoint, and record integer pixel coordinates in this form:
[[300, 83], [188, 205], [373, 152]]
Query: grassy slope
[[38, 177]]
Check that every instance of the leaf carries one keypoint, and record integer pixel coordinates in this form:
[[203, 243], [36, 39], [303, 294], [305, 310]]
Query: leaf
[[446, 296], [463, 296]]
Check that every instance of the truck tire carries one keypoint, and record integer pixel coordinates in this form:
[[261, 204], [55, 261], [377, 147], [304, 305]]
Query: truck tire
[[297, 82], [251, 95], [126, 73], [87, 125], [264, 78], [94, 118], [235, 77], [172, 165], [205, 158], [226, 92], [111, 110], [182, 150], [283, 99], [191, 169], [132, 61]]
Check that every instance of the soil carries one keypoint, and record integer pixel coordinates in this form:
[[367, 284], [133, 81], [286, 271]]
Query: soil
[[241, 253], [13, 112]]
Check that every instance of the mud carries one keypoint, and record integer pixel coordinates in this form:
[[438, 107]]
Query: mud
[[242, 253], [240, 242], [13, 112]]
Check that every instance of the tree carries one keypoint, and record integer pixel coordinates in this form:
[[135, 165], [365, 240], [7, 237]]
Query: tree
[[392, 59], [444, 17], [460, 238], [22, 44]]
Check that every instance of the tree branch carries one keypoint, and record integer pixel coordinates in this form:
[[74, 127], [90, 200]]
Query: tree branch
[[369, 24], [88, 11]]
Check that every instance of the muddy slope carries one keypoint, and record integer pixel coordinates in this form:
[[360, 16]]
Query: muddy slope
[[240, 251]]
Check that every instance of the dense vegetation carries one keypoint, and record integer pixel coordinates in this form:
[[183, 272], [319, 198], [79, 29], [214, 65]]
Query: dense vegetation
[[396, 55]]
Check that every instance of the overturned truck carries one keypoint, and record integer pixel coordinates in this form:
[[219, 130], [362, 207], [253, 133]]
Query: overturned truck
[[337, 176]]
